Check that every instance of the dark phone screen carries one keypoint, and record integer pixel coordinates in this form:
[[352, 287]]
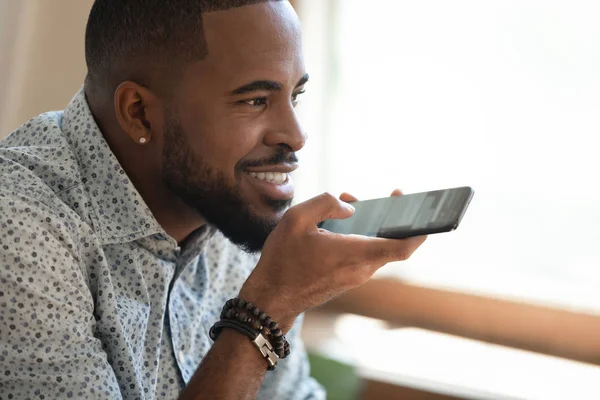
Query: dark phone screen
[[436, 210]]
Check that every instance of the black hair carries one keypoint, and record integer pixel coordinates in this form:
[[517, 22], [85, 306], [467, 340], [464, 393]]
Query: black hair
[[134, 35]]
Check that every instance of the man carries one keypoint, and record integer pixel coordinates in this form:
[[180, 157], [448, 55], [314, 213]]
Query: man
[[124, 217]]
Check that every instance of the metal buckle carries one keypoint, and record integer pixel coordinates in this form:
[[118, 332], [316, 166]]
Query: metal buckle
[[265, 348]]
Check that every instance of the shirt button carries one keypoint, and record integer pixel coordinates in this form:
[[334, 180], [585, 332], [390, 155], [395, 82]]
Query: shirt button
[[181, 357]]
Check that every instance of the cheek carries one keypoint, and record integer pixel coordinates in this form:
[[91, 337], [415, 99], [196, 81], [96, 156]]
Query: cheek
[[223, 149], [220, 136]]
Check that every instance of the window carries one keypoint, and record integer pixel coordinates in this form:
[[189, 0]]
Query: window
[[503, 96]]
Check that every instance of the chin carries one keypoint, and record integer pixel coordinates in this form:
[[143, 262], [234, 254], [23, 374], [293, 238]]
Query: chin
[[274, 209], [246, 223]]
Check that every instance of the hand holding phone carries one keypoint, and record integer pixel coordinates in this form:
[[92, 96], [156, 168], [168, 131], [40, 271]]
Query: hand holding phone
[[302, 266]]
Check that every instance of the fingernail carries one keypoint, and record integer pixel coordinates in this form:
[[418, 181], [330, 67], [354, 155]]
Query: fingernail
[[349, 207]]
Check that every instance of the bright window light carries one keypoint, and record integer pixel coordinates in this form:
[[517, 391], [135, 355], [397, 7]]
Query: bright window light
[[503, 96]]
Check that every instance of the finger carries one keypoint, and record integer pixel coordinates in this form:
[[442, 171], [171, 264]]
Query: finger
[[348, 198], [320, 208], [397, 192], [382, 251]]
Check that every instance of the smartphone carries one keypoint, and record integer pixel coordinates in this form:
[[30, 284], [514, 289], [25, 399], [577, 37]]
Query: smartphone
[[405, 216]]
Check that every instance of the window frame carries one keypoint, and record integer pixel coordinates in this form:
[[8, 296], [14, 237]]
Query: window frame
[[551, 331]]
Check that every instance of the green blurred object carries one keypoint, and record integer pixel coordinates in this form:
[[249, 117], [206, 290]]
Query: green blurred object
[[340, 380]]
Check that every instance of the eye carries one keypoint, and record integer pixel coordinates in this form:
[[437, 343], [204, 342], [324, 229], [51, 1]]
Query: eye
[[295, 97], [257, 102]]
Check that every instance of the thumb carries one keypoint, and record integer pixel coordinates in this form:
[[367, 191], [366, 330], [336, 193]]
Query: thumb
[[322, 207]]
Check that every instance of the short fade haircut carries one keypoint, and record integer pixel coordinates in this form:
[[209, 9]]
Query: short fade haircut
[[127, 35]]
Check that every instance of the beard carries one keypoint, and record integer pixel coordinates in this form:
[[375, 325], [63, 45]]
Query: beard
[[205, 189]]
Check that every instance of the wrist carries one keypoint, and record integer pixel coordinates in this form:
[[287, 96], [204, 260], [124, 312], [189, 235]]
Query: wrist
[[241, 344], [270, 303], [272, 350], [247, 318]]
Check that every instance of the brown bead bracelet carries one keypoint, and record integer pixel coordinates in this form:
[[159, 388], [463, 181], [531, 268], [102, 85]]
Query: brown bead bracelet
[[237, 309], [262, 344]]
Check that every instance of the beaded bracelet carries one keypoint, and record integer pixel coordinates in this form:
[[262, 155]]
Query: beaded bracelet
[[263, 345], [248, 313], [245, 315]]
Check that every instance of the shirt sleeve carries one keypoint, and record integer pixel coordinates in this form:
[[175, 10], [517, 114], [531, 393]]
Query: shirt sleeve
[[47, 344], [291, 379]]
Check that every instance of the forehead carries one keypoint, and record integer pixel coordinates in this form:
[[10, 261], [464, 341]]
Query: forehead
[[259, 41]]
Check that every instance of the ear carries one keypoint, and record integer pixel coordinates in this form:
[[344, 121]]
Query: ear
[[138, 112]]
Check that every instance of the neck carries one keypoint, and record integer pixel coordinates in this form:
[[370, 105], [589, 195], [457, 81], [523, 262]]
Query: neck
[[176, 218], [143, 167]]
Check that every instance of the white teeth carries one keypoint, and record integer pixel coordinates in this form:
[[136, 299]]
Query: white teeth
[[273, 177]]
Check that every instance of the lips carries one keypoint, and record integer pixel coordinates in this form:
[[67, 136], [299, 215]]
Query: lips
[[284, 168], [272, 181], [277, 178]]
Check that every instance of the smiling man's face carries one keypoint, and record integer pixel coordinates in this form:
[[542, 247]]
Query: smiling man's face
[[231, 130]]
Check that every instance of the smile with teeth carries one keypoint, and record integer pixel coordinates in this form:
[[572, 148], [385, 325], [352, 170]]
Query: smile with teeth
[[277, 178]]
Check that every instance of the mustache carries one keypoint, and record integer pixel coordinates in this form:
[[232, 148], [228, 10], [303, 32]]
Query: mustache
[[282, 156]]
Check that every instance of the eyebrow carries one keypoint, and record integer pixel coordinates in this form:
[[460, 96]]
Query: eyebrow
[[267, 85]]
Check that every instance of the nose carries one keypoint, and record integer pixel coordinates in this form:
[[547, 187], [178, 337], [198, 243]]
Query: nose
[[286, 130]]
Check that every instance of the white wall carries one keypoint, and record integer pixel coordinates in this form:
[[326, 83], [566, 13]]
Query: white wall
[[41, 57]]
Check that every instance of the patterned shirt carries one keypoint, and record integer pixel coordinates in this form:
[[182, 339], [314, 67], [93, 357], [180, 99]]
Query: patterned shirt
[[97, 301]]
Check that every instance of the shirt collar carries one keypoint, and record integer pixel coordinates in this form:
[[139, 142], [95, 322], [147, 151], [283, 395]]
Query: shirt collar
[[119, 213]]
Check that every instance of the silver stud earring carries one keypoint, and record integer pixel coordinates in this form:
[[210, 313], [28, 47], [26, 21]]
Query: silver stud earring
[[143, 140]]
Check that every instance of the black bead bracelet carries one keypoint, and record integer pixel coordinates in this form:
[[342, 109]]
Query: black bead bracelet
[[248, 313], [263, 345], [248, 319]]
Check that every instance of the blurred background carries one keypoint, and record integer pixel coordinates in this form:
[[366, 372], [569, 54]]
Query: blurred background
[[500, 95]]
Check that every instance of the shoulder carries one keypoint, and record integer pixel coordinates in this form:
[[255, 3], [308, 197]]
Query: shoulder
[[36, 160], [28, 217]]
